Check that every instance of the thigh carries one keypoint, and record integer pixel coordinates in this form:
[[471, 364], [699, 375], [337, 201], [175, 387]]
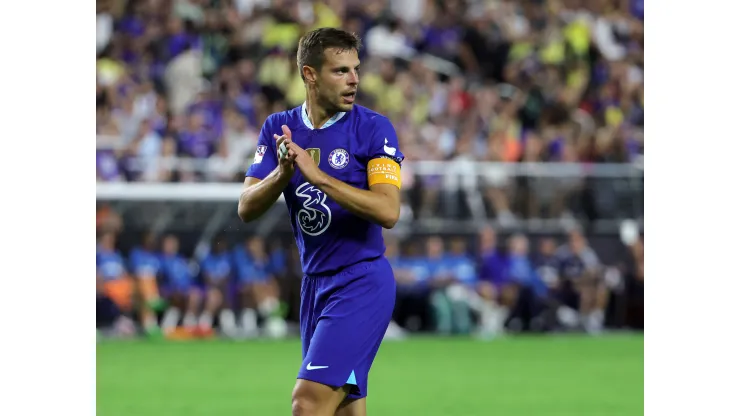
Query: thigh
[[351, 314], [352, 407]]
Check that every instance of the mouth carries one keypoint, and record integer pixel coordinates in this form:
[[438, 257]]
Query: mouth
[[349, 97]]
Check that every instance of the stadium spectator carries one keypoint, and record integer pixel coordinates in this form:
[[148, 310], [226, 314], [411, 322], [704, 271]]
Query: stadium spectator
[[581, 287], [493, 281], [145, 266], [532, 291], [109, 318], [412, 286], [217, 272], [115, 281], [448, 298], [180, 290], [259, 291], [467, 286], [405, 285]]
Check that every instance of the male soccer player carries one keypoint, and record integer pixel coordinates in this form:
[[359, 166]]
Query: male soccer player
[[180, 287], [338, 166], [217, 272]]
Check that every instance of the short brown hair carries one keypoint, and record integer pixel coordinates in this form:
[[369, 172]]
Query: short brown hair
[[312, 45]]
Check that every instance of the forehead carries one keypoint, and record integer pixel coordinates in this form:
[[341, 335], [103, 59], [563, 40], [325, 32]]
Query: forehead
[[335, 57]]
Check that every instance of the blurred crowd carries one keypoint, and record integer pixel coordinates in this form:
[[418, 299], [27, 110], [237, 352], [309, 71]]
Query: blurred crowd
[[484, 286], [183, 86]]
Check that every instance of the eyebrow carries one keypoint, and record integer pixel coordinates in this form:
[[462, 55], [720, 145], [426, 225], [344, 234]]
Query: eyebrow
[[344, 67]]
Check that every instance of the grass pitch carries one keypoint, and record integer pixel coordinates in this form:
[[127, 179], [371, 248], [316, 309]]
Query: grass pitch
[[515, 376]]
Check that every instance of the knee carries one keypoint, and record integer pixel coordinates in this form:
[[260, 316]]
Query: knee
[[305, 403]]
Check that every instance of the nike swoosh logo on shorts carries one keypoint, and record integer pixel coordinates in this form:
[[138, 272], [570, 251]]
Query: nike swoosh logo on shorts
[[310, 367]]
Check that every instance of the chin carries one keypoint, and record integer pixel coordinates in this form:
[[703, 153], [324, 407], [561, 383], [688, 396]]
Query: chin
[[345, 107]]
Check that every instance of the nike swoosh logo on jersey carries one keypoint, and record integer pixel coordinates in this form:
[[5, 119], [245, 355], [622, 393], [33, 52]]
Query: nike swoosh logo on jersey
[[390, 150]]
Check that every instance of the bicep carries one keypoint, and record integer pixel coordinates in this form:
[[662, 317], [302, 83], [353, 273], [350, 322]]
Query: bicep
[[391, 192]]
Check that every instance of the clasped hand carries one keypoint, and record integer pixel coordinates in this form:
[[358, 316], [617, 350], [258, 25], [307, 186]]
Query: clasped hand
[[291, 155]]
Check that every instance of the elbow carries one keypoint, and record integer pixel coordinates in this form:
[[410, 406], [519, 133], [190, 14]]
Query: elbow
[[244, 212], [389, 221]]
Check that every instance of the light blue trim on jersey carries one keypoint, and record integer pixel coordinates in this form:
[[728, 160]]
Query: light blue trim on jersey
[[352, 379], [304, 115]]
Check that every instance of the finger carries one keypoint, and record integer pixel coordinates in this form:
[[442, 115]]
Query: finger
[[286, 131], [282, 150]]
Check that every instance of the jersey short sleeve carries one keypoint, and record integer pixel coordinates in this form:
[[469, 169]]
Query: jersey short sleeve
[[265, 156], [384, 161], [383, 140]]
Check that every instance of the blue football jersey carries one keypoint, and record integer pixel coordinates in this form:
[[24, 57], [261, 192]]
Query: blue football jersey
[[144, 262], [176, 271], [463, 268], [110, 264], [328, 237], [216, 266]]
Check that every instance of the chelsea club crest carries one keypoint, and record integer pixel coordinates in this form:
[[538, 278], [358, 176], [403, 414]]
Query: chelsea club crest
[[338, 158]]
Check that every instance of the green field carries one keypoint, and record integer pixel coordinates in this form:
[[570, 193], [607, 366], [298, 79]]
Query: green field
[[532, 376]]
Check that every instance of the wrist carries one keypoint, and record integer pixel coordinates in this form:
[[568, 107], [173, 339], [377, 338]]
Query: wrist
[[284, 175]]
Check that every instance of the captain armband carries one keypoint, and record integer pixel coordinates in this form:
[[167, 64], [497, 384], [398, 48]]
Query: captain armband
[[384, 170]]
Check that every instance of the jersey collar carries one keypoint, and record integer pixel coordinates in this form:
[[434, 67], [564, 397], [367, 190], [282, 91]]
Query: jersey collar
[[304, 115]]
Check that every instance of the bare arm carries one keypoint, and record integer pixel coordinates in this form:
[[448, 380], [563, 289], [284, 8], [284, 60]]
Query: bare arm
[[259, 195], [381, 204]]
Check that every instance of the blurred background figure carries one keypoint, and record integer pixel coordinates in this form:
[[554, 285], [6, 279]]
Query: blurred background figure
[[493, 285], [114, 291], [179, 285], [405, 282], [216, 269], [581, 287], [449, 295], [145, 266], [531, 289], [259, 292]]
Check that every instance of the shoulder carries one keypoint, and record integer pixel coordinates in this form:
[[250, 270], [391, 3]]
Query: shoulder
[[365, 117], [290, 117]]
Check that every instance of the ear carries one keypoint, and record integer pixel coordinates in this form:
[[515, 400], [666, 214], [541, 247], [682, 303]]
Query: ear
[[310, 74]]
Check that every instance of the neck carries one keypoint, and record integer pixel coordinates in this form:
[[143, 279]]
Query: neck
[[316, 113]]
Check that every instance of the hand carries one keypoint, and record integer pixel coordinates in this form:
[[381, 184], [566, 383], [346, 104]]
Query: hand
[[285, 161], [305, 163]]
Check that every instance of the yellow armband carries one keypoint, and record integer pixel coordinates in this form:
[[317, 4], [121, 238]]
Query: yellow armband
[[383, 170]]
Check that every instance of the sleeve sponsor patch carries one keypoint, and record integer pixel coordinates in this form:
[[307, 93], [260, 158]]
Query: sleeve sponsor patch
[[259, 153], [384, 170]]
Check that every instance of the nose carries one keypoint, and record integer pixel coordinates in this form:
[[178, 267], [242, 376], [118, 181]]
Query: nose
[[354, 78]]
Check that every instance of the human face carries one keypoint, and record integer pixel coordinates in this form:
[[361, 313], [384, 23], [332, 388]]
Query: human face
[[338, 80]]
